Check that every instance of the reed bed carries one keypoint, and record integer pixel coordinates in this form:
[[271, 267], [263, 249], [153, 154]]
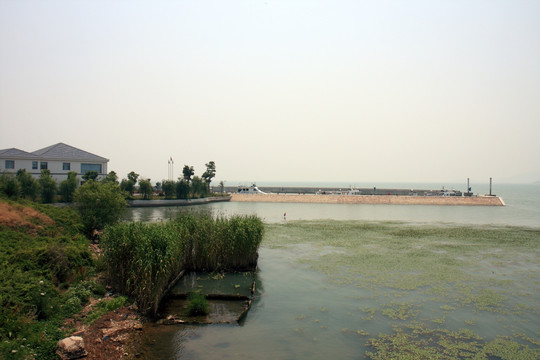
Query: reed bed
[[143, 258]]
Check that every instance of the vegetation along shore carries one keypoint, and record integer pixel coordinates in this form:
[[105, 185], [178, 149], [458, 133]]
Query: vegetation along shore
[[76, 282]]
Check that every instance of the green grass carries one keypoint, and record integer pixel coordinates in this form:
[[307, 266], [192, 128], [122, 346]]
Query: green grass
[[104, 306], [38, 261]]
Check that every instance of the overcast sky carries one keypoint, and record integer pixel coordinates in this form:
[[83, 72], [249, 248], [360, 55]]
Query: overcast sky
[[352, 91]]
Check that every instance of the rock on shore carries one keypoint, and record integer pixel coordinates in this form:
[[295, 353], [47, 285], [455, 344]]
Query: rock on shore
[[71, 348]]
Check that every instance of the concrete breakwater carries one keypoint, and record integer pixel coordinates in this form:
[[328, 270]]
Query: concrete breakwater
[[371, 199], [340, 190]]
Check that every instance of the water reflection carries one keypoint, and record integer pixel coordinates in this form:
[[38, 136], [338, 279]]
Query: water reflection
[[518, 215]]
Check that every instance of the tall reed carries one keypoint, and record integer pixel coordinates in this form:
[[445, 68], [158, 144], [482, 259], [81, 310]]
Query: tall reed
[[143, 258]]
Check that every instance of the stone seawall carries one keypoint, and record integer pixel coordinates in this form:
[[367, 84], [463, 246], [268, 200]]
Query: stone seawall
[[371, 199], [176, 202]]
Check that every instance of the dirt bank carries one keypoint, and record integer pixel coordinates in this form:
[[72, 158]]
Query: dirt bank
[[112, 336], [371, 199]]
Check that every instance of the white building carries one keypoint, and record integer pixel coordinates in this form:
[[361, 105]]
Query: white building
[[59, 159]]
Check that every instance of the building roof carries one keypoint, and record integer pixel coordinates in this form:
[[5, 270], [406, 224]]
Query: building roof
[[17, 153], [63, 151]]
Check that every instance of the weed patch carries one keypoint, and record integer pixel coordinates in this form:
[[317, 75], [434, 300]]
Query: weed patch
[[142, 259], [42, 251], [197, 304]]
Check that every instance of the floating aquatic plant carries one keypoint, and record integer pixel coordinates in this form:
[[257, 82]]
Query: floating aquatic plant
[[443, 274], [419, 342], [400, 311]]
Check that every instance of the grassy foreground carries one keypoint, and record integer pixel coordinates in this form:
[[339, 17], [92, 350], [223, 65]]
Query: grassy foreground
[[47, 272], [445, 291], [46, 275]]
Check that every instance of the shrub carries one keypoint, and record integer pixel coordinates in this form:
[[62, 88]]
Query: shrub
[[48, 187], [29, 185], [145, 188], [197, 304], [99, 204], [9, 185], [182, 189], [73, 305], [81, 291], [104, 307], [68, 187], [64, 260], [169, 188]]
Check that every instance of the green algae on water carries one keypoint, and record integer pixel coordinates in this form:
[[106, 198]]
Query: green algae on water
[[418, 342], [484, 278]]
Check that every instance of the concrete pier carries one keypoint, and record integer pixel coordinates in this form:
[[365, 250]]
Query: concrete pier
[[371, 199]]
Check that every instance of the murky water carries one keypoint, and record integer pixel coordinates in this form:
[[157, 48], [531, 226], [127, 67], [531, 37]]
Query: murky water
[[325, 287]]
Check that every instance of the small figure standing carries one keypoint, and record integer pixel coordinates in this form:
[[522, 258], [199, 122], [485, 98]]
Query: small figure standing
[[284, 216]]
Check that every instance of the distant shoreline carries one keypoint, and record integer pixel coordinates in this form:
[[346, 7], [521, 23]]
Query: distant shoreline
[[371, 199], [176, 202]]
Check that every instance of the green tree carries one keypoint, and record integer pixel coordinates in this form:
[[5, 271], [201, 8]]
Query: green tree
[[182, 189], [99, 204], [145, 188], [48, 186], [198, 187], [210, 172], [29, 185], [90, 175], [129, 184], [188, 172], [222, 186], [111, 177], [133, 176], [169, 188], [9, 185], [68, 186]]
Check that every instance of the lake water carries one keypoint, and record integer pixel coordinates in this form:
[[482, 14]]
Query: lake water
[[522, 209], [325, 287]]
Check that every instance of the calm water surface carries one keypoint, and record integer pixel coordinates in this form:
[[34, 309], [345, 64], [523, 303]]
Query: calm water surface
[[522, 209], [299, 314]]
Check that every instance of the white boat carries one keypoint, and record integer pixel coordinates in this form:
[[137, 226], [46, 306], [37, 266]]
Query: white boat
[[253, 189]]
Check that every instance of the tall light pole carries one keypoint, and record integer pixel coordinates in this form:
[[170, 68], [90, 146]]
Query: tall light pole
[[171, 168]]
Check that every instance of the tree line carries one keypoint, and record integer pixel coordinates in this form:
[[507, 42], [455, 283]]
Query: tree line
[[189, 185], [47, 190]]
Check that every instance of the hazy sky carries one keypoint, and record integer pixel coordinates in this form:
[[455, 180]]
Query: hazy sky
[[352, 91]]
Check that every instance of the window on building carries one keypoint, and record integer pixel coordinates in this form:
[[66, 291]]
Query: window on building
[[43, 165], [10, 164], [66, 166], [88, 167], [34, 165]]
